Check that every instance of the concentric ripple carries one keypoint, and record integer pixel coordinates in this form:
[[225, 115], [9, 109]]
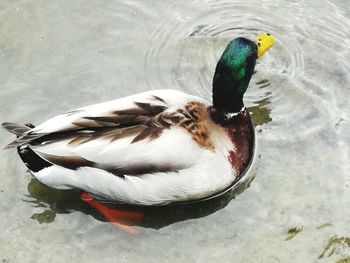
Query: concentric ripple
[[183, 51]]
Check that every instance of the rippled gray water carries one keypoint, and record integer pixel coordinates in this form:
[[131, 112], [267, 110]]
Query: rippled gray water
[[60, 55]]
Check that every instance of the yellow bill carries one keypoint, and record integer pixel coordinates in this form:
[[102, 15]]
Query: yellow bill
[[264, 42]]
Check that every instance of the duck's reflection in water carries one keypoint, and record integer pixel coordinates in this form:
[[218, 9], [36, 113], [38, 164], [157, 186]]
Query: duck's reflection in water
[[55, 201]]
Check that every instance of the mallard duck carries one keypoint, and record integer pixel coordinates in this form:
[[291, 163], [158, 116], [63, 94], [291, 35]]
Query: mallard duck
[[153, 148]]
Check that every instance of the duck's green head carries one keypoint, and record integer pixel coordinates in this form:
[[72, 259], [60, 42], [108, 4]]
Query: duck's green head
[[234, 70]]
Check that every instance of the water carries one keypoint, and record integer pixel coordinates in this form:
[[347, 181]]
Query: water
[[61, 55]]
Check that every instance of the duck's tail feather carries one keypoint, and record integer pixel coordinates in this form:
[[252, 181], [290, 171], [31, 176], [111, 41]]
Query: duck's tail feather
[[22, 131], [16, 128]]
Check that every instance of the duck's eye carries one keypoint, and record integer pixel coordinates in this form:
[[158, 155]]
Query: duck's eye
[[259, 39], [259, 44], [268, 34]]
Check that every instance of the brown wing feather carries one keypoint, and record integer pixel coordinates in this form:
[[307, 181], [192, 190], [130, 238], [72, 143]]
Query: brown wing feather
[[144, 121], [148, 126], [71, 162], [148, 132], [132, 119]]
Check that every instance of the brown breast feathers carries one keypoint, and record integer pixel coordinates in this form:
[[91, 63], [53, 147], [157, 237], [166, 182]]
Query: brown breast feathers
[[241, 133]]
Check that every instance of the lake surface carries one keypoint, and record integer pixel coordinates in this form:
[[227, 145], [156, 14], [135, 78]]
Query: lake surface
[[60, 55]]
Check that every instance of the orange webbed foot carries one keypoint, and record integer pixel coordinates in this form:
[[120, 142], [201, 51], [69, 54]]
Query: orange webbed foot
[[115, 214]]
